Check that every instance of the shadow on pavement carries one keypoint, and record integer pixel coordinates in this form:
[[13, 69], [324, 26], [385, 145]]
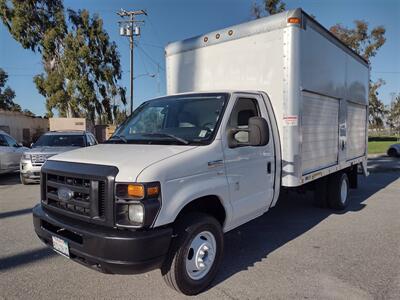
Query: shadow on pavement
[[14, 213], [25, 258], [10, 179], [293, 215], [383, 163]]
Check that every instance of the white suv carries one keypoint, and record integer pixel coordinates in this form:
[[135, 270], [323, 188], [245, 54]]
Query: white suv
[[49, 144]]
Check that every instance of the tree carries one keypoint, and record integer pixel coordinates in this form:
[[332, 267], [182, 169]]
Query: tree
[[269, 7], [393, 119], [7, 95], [81, 65], [376, 108], [27, 112]]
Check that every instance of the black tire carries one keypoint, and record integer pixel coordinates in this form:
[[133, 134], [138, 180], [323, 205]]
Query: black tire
[[392, 152], [321, 193], [174, 268], [338, 198], [23, 180]]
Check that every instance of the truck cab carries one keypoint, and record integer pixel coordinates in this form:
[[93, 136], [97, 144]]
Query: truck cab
[[119, 206]]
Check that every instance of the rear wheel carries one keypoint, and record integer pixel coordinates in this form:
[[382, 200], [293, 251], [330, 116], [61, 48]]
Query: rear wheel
[[392, 152], [195, 254], [338, 191]]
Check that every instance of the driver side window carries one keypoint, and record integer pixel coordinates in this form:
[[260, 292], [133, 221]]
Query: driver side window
[[151, 119], [244, 109]]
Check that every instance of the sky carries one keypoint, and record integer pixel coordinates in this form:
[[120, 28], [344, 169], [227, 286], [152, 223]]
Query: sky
[[172, 20]]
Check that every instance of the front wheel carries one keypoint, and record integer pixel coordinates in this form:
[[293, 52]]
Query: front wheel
[[195, 254]]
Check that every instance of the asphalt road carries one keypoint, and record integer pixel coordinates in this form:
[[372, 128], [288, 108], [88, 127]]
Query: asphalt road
[[294, 251]]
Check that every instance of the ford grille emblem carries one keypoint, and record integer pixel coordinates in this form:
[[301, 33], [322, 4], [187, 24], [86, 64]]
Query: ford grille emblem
[[65, 194]]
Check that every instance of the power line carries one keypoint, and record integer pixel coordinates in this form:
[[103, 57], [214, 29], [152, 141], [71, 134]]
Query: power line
[[152, 45], [153, 28], [386, 72], [150, 58]]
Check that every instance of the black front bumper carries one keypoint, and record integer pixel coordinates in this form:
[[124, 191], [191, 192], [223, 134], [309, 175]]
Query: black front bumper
[[105, 249]]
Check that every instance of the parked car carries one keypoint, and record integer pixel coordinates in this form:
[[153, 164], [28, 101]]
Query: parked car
[[10, 153], [394, 150], [49, 144]]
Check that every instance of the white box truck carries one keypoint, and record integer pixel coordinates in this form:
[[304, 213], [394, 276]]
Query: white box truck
[[274, 103]]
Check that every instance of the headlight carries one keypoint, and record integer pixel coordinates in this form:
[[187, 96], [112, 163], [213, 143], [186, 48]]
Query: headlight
[[26, 156], [137, 204], [136, 213]]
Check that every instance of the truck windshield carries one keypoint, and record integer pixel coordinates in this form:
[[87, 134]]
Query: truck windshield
[[57, 140], [183, 120]]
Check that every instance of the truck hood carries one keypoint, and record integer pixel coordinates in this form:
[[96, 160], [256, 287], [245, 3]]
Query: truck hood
[[129, 159], [49, 150]]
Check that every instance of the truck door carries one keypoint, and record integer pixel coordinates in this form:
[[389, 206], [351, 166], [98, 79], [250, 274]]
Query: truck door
[[249, 170]]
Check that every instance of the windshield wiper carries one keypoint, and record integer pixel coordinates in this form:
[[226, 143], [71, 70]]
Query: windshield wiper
[[161, 134], [118, 138]]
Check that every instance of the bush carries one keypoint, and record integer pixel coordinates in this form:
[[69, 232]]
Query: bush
[[382, 139]]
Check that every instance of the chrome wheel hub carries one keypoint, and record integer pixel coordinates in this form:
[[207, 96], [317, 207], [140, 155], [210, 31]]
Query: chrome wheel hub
[[201, 255]]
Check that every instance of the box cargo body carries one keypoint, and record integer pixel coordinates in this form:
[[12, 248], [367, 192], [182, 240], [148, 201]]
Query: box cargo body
[[318, 87]]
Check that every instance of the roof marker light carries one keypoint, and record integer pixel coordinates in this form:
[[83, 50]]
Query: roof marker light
[[293, 20]]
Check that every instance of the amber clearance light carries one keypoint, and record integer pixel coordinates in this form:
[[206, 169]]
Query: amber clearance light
[[293, 20]]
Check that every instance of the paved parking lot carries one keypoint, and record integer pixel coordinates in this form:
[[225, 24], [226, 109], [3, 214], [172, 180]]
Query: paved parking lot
[[294, 251]]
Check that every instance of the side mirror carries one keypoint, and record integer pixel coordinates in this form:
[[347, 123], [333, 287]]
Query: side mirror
[[257, 134], [31, 145], [18, 145], [232, 142], [258, 131]]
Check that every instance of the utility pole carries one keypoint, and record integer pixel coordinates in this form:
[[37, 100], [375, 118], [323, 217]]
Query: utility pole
[[130, 27]]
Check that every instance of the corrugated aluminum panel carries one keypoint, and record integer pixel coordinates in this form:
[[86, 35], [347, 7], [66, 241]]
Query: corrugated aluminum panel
[[319, 123], [356, 123]]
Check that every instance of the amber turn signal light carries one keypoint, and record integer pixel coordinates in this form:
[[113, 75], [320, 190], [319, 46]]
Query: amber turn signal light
[[136, 190], [153, 191]]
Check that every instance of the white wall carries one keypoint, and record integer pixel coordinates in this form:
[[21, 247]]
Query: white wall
[[67, 124], [15, 122]]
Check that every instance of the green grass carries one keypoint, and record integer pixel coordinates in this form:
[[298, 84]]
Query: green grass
[[379, 147]]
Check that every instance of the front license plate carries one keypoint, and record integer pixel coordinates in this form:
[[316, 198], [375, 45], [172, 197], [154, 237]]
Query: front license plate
[[60, 246]]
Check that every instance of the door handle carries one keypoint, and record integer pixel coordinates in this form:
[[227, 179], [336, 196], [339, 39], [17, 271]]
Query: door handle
[[269, 167]]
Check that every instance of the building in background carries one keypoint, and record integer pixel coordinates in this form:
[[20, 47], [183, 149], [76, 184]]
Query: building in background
[[104, 132], [25, 129], [60, 124]]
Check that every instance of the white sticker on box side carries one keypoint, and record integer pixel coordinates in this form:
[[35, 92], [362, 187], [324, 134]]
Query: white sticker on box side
[[291, 120]]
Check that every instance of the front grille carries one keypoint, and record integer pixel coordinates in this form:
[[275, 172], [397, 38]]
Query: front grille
[[102, 198], [78, 195], [39, 159], [79, 191]]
